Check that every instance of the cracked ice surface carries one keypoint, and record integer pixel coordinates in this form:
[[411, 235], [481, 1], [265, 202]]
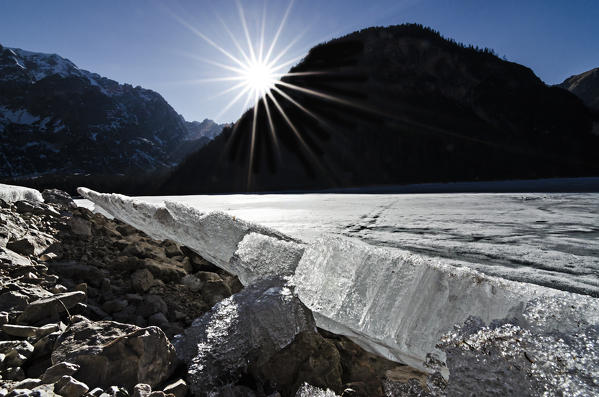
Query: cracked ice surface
[[10, 193]]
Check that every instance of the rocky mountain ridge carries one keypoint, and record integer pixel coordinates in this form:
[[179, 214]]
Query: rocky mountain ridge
[[585, 86], [58, 119], [397, 105]]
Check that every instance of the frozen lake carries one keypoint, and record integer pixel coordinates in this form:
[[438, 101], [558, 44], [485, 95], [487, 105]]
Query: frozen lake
[[545, 239]]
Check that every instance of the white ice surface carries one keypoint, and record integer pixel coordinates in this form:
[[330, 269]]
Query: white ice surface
[[11, 193], [545, 239]]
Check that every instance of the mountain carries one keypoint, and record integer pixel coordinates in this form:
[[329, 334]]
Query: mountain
[[397, 105], [585, 86], [57, 119]]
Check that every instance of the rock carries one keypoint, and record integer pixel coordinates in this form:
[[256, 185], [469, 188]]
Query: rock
[[164, 271], [152, 304], [13, 373], [142, 390], [49, 307], [57, 371], [158, 319], [78, 271], [3, 317], [115, 305], [43, 347], [23, 331], [113, 353], [256, 322], [13, 300], [28, 245], [192, 282], [59, 198], [178, 388], [67, 386], [96, 392], [48, 257], [309, 358], [16, 352], [25, 207], [157, 394], [28, 383], [214, 289], [171, 249], [142, 280], [80, 226]]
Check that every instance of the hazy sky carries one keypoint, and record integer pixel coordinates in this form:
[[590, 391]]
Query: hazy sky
[[146, 43]]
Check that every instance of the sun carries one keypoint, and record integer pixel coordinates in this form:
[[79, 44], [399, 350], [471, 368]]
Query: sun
[[259, 78]]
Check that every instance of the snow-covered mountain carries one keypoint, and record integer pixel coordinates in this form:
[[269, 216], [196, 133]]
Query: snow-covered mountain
[[58, 119]]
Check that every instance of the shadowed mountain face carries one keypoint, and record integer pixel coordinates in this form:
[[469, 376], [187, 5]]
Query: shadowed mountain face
[[585, 86], [58, 119], [410, 106]]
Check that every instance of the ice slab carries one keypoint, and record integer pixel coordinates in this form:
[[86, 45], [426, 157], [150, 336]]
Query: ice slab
[[398, 304], [216, 236], [11, 193]]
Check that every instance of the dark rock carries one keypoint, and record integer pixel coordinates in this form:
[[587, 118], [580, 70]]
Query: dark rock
[[115, 305], [164, 271], [59, 198], [57, 371], [16, 353], [80, 226], [13, 300], [28, 245], [152, 304], [67, 386], [113, 353], [142, 280], [50, 307], [78, 271], [214, 289], [309, 358]]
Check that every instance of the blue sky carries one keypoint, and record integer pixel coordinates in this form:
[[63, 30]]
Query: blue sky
[[144, 42]]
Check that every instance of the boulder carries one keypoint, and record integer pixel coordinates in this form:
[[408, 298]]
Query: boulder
[[57, 371], [59, 198], [80, 226], [49, 307], [142, 390], [142, 280], [23, 331], [110, 353], [309, 358], [250, 326], [16, 353], [178, 388], [67, 386], [163, 270], [78, 271], [29, 245], [152, 304]]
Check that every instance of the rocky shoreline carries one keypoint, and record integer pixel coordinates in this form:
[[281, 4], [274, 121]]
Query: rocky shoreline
[[92, 306]]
